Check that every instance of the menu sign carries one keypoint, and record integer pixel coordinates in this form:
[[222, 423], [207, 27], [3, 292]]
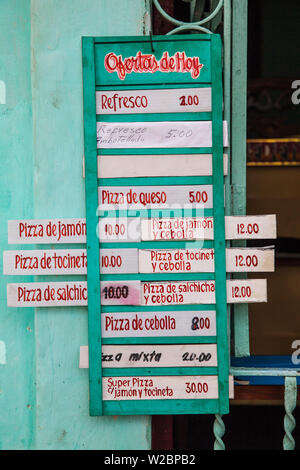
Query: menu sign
[[151, 256]]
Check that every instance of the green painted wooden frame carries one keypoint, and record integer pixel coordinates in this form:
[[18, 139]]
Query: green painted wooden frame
[[92, 73]]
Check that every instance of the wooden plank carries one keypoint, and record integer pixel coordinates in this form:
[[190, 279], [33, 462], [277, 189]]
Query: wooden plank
[[47, 294], [158, 324], [121, 293], [74, 261], [132, 260], [119, 261], [36, 262], [57, 294], [202, 292], [202, 260], [239, 38], [201, 228], [250, 227], [174, 63], [177, 134], [155, 197], [40, 231], [119, 229], [250, 260], [135, 166], [157, 388], [158, 355], [84, 364], [47, 231], [172, 100]]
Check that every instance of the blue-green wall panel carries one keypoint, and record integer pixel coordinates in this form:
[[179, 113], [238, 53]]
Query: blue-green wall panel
[[17, 368], [43, 393]]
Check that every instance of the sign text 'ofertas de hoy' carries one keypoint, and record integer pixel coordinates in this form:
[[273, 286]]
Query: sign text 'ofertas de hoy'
[[153, 240]]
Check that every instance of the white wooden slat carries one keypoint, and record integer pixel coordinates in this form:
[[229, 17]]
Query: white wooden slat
[[36, 231], [201, 228], [173, 100], [202, 292], [148, 324], [155, 197], [56, 294], [135, 166], [158, 355], [202, 260]]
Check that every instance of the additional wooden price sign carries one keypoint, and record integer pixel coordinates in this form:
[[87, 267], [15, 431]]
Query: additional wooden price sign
[[47, 231], [60, 231], [176, 100], [120, 197], [136, 166], [202, 260], [161, 388]]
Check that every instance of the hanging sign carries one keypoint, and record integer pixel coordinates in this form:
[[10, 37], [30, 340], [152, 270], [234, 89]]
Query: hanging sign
[[155, 167]]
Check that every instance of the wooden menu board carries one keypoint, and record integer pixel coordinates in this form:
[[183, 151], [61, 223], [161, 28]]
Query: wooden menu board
[[146, 99]]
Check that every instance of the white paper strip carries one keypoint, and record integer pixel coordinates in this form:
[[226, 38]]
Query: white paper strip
[[179, 134], [135, 166], [155, 197], [175, 355], [148, 324], [56, 262], [173, 100], [57, 294]]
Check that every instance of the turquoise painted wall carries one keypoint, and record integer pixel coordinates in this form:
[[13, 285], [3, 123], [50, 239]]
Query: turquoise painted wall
[[43, 393]]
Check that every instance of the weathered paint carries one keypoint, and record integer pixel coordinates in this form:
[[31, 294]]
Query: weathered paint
[[44, 395]]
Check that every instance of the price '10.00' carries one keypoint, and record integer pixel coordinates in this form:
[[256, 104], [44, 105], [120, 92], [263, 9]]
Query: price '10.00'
[[116, 292]]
